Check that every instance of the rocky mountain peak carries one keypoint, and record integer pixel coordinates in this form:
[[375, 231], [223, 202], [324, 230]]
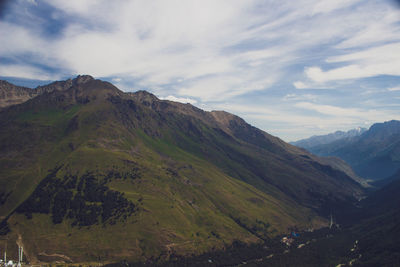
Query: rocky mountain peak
[[11, 94], [382, 131], [145, 97], [81, 79], [5, 84], [64, 85]]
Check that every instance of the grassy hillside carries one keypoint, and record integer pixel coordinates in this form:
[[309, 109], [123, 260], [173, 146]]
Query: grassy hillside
[[91, 174]]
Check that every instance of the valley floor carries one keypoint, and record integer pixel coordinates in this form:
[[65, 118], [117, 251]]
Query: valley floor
[[324, 247]]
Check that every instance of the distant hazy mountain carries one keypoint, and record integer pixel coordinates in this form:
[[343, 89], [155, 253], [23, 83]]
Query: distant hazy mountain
[[89, 173], [374, 154], [317, 140]]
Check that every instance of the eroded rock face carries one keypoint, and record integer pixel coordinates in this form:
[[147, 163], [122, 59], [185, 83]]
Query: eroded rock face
[[11, 94]]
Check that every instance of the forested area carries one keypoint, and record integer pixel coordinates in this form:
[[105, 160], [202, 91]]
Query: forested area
[[85, 200]]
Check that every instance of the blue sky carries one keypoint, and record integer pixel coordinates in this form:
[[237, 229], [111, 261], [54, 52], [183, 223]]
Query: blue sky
[[292, 68]]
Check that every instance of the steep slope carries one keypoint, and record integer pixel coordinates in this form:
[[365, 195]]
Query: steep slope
[[375, 154], [318, 140], [89, 173], [341, 165]]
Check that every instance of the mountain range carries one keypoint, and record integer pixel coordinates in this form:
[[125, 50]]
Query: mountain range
[[373, 154], [318, 140], [89, 173]]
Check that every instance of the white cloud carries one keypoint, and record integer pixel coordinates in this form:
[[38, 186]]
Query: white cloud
[[32, 2], [300, 97], [19, 40], [300, 85], [382, 60], [326, 6], [328, 109], [388, 54], [385, 25], [26, 72], [354, 113], [161, 42], [179, 99], [396, 88], [221, 87]]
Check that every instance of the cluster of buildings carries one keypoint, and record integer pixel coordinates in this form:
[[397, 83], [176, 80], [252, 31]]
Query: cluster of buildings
[[11, 263], [288, 241]]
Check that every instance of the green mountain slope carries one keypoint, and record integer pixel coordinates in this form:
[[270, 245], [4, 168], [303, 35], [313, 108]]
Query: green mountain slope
[[89, 173]]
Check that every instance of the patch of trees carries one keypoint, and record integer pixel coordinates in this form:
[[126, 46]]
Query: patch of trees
[[4, 229], [3, 197], [86, 200], [259, 229], [40, 200], [132, 174]]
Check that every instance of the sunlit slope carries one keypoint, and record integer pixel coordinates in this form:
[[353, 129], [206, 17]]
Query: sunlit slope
[[93, 173]]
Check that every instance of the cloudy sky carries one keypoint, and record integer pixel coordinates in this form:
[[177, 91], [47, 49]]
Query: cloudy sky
[[292, 68]]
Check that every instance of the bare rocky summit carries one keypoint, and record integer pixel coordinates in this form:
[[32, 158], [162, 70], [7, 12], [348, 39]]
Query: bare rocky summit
[[11, 94]]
